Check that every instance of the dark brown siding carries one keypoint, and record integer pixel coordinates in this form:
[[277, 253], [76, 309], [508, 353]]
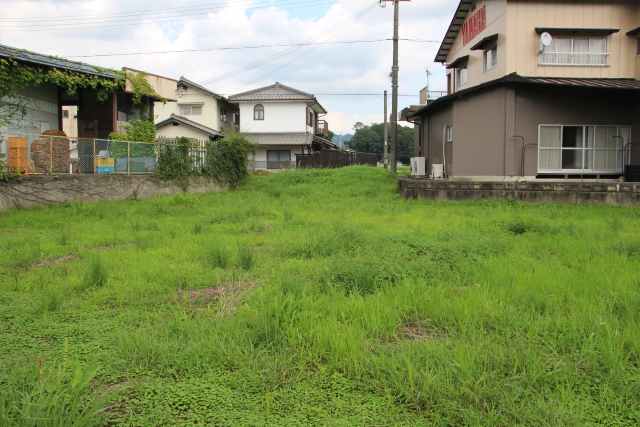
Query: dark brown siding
[[478, 133], [432, 134], [635, 134], [537, 105]]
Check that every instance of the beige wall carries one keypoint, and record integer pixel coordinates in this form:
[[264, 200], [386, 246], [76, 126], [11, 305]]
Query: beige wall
[[519, 44], [170, 131], [523, 43], [496, 24]]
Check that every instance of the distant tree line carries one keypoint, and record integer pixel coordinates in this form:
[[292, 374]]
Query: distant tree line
[[370, 139]]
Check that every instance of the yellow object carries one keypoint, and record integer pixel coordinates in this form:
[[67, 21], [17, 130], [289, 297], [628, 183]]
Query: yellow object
[[19, 153], [105, 161]]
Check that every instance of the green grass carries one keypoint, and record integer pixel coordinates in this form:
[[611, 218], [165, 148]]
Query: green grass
[[319, 297]]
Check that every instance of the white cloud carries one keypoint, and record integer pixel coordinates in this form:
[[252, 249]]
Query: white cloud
[[337, 68]]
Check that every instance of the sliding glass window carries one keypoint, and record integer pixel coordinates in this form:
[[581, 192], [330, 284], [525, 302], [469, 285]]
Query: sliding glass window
[[580, 149]]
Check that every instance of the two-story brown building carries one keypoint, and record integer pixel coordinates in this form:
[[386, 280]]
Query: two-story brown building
[[536, 88]]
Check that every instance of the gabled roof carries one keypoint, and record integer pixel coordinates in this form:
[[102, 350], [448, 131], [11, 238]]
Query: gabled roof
[[276, 91], [60, 63], [174, 118], [454, 28], [186, 82], [582, 83]]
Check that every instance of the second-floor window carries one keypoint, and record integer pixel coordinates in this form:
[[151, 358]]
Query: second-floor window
[[191, 110], [449, 135], [576, 52], [223, 114], [462, 76], [491, 58], [258, 112]]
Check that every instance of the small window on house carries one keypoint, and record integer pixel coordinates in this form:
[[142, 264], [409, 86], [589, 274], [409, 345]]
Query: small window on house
[[449, 133], [638, 48], [462, 76], [223, 114], [191, 110], [491, 58], [65, 114], [236, 119], [258, 112]]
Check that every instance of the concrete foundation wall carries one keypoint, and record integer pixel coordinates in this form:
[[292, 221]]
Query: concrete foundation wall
[[616, 194], [46, 190]]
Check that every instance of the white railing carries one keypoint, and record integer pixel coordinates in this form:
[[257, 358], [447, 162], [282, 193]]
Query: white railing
[[574, 59]]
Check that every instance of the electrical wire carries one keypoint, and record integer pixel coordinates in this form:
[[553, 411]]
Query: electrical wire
[[144, 21], [227, 48], [318, 36], [146, 12]]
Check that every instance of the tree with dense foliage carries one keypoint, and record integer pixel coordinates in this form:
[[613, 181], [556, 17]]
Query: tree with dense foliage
[[370, 139]]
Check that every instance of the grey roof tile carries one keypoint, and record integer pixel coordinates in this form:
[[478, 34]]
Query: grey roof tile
[[276, 91], [60, 63], [280, 138]]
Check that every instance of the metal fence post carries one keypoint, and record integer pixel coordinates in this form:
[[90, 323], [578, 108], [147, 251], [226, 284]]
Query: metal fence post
[[128, 157], [93, 159], [50, 154]]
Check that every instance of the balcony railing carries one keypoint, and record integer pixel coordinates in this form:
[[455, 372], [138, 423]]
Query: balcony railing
[[430, 95], [322, 128], [574, 59]]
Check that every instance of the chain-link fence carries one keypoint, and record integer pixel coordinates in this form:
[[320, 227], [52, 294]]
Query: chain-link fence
[[56, 154]]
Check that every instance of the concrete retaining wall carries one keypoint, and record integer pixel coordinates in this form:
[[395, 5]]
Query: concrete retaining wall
[[618, 194], [47, 190]]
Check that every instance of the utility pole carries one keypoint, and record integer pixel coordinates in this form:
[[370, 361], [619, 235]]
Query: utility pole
[[394, 87], [386, 138]]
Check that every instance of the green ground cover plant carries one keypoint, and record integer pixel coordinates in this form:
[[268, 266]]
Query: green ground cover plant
[[319, 298]]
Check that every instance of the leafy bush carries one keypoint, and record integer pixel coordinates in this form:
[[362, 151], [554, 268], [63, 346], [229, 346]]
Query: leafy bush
[[228, 163]]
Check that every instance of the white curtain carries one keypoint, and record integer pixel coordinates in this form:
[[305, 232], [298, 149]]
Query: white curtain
[[550, 148]]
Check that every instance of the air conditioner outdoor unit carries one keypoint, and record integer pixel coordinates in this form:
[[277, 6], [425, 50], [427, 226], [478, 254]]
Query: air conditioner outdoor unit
[[437, 171], [418, 166]]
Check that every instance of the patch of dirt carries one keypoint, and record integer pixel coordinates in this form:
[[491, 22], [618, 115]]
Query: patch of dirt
[[60, 260], [224, 297], [415, 331], [110, 247]]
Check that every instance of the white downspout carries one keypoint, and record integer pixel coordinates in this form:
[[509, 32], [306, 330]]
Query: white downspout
[[444, 145]]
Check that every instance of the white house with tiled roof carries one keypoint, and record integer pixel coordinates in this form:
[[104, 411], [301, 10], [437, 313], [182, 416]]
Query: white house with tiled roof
[[284, 122], [199, 113]]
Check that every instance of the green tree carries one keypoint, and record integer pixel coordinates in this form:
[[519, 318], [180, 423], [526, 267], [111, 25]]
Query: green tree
[[370, 139]]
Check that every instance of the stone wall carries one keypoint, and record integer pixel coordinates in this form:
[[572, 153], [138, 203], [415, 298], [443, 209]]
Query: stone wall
[[615, 193], [47, 190]]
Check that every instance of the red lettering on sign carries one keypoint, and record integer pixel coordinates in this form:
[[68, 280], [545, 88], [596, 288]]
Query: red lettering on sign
[[474, 26]]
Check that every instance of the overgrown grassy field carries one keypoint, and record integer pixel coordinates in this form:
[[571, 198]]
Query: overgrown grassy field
[[319, 298]]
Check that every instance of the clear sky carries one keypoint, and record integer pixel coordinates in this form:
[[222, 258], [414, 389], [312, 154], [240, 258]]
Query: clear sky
[[80, 29]]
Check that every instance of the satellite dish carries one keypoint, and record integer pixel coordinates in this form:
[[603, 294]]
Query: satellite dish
[[546, 39]]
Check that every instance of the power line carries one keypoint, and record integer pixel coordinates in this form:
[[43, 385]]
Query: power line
[[226, 48], [158, 20], [139, 12], [318, 36]]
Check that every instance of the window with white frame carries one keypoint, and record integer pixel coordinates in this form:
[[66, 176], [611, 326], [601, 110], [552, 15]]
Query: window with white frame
[[462, 76], [449, 135], [491, 58], [581, 149], [223, 114], [190, 110], [575, 52]]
